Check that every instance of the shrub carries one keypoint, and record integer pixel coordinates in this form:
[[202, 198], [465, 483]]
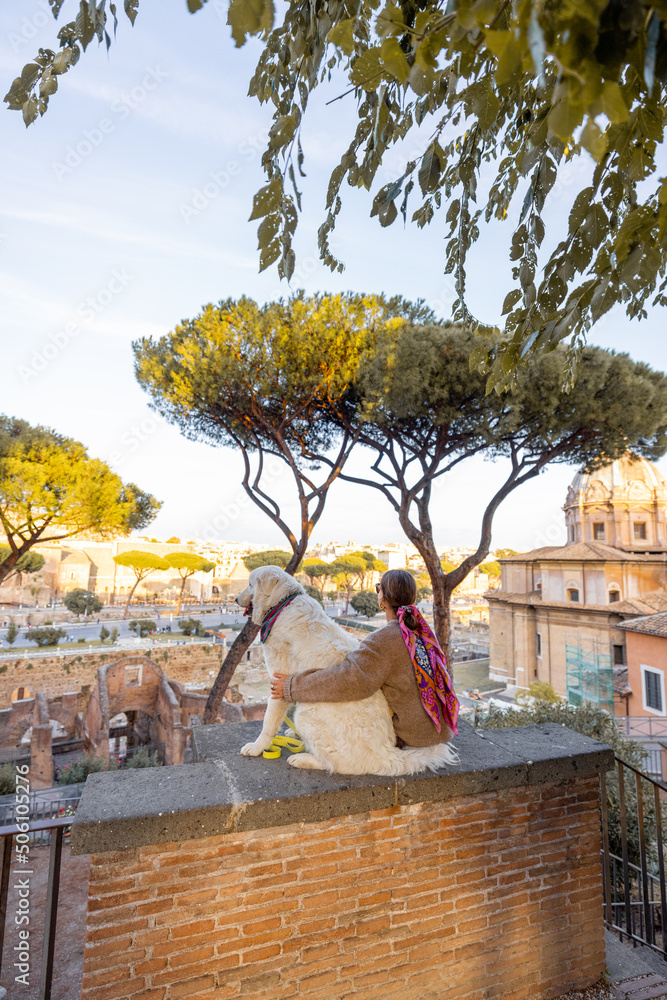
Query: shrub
[[12, 632], [540, 691], [142, 626], [3, 668], [46, 636], [591, 721], [7, 778], [191, 626], [81, 640], [366, 603], [144, 758], [90, 762]]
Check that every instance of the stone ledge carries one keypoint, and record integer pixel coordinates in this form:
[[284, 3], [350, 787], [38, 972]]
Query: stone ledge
[[224, 792]]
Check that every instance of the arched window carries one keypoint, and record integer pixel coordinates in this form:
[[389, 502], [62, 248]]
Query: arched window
[[21, 692]]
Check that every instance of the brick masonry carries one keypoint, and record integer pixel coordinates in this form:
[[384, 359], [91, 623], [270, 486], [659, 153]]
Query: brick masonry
[[60, 674], [477, 897]]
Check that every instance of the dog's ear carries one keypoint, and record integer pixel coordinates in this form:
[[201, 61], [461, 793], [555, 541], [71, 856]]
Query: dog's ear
[[265, 592]]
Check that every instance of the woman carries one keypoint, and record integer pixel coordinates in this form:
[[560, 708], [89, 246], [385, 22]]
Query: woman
[[403, 658]]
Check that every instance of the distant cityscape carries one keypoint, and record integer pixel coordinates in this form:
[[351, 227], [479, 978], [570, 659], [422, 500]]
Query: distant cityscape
[[88, 563]]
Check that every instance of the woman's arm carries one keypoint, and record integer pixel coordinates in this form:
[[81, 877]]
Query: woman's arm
[[359, 675]]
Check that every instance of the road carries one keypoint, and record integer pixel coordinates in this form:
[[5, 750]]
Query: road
[[163, 618]]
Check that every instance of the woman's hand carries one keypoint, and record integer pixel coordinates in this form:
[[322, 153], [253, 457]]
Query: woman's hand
[[277, 682]]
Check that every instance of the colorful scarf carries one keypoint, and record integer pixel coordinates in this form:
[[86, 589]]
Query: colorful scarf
[[271, 616], [429, 664]]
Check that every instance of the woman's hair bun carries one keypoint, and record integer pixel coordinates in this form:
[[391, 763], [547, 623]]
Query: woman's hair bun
[[409, 619]]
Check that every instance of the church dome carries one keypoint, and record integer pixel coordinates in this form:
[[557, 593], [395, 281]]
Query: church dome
[[621, 473], [623, 505]]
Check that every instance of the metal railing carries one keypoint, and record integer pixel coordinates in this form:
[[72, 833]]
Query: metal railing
[[42, 809], [634, 891], [638, 726], [55, 830]]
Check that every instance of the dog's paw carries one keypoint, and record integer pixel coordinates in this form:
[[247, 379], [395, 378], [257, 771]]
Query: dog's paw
[[305, 761], [253, 749]]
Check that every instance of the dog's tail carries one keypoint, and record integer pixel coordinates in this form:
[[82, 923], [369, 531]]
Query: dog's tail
[[411, 760]]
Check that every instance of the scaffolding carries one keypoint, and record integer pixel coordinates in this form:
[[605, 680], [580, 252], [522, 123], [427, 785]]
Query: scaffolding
[[589, 673]]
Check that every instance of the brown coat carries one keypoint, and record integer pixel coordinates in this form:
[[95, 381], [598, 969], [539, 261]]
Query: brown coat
[[381, 661]]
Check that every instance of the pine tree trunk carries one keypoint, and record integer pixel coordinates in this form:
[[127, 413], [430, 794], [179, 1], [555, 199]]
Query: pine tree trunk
[[442, 622], [180, 596], [129, 598], [441, 607], [240, 645]]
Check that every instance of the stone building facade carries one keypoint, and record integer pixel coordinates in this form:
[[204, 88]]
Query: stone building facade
[[556, 613], [89, 564]]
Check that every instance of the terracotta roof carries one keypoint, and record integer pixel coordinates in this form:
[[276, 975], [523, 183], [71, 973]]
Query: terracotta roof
[[633, 606], [585, 552], [648, 624], [656, 600]]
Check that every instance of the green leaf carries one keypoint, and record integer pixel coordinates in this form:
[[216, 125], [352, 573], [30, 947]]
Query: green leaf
[[282, 130], [511, 300], [580, 208], [249, 17], [30, 109], [564, 118], [509, 66], [394, 61], [267, 229], [367, 69], [267, 198], [497, 41], [594, 140], [341, 35], [485, 105], [390, 21], [286, 264], [48, 85], [430, 170], [269, 254], [131, 8], [613, 104], [596, 225]]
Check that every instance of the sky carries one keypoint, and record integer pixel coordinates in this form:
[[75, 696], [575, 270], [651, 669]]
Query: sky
[[125, 209]]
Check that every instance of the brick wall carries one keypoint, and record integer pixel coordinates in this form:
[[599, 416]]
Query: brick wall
[[50, 673], [496, 895]]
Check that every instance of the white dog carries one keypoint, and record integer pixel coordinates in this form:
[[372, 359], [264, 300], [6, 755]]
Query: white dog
[[345, 737]]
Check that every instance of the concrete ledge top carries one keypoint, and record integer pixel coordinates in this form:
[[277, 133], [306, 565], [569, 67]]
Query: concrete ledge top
[[223, 792]]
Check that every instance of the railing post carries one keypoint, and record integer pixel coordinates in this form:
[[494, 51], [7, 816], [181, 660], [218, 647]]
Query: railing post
[[624, 847], [4, 888], [661, 866], [48, 948], [642, 861], [608, 914]]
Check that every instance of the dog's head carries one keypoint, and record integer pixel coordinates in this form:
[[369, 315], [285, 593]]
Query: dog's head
[[267, 586]]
